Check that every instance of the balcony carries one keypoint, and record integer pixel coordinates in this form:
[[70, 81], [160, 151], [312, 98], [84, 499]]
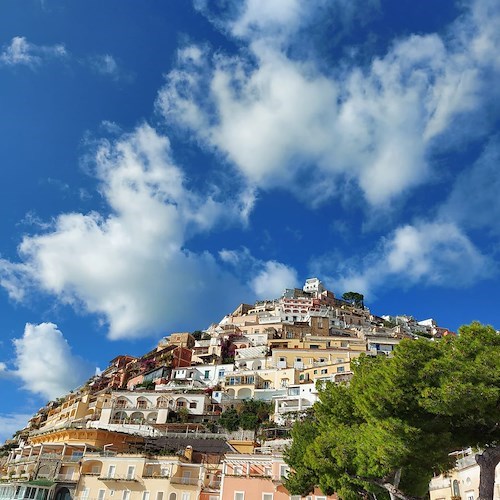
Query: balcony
[[51, 456], [68, 478], [439, 483], [116, 477], [185, 480]]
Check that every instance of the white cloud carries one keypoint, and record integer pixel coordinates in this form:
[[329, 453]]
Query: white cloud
[[106, 65], [267, 279], [10, 423], [44, 362], [284, 123], [132, 266], [474, 201], [425, 253], [273, 279], [267, 18], [22, 52]]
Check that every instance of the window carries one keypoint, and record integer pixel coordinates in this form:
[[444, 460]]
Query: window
[[237, 470], [159, 495], [298, 360], [314, 346], [100, 494], [126, 495], [295, 497], [320, 498], [221, 373], [324, 371], [130, 472], [267, 496], [268, 470], [207, 374], [111, 470], [284, 470], [340, 369], [85, 493], [173, 496], [145, 495], [193, 404], [186, 496], [239, 495]]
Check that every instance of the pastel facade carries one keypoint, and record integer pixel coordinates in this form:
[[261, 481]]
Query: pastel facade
[[149, 407], [258, 477], [135, 477], [245, 384]]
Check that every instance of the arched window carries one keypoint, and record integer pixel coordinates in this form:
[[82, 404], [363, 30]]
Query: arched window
[[172, 496], [121, 403], [162, 402]]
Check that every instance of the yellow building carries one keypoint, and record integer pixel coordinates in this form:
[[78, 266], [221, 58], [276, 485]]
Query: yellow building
[[135, 477], [302, 359]]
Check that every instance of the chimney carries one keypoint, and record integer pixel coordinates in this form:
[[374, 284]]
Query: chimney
[[188, 452]]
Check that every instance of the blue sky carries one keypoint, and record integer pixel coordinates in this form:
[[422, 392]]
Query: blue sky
[[162, 163]]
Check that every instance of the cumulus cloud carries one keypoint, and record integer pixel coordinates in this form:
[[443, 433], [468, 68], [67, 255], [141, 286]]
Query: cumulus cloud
[[22, 52], [273, 279], [425, 253], [131, 266], [287, 123], [12, 422], [44, 362], [267, 279]]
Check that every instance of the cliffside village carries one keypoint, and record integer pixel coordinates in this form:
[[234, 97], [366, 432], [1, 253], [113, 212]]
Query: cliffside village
[[147, 428]]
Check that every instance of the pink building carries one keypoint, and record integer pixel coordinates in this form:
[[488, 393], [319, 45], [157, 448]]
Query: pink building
[[259, 477]]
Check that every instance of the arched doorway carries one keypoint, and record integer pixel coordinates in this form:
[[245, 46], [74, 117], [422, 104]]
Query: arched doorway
[[63, 494]]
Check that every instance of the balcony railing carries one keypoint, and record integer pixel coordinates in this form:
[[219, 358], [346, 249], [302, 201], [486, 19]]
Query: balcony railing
[[51, 456], [67, 477], [156, 475], [116, 477], [439, 483], [185, 480]]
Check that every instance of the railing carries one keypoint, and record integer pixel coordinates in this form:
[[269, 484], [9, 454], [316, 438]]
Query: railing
[[116, 477], [439, 483], [63, 425], [24, 459], [466, 461], [185, 480], [66, 477], [50, 456]]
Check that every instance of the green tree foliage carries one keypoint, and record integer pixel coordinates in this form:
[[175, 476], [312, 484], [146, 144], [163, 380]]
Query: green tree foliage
[[197, 334], [400, 417], [354, 298], [230, 420], [249, 416]]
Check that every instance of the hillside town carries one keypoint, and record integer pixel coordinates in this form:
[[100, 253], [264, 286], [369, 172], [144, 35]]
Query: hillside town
[[157, 426]]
